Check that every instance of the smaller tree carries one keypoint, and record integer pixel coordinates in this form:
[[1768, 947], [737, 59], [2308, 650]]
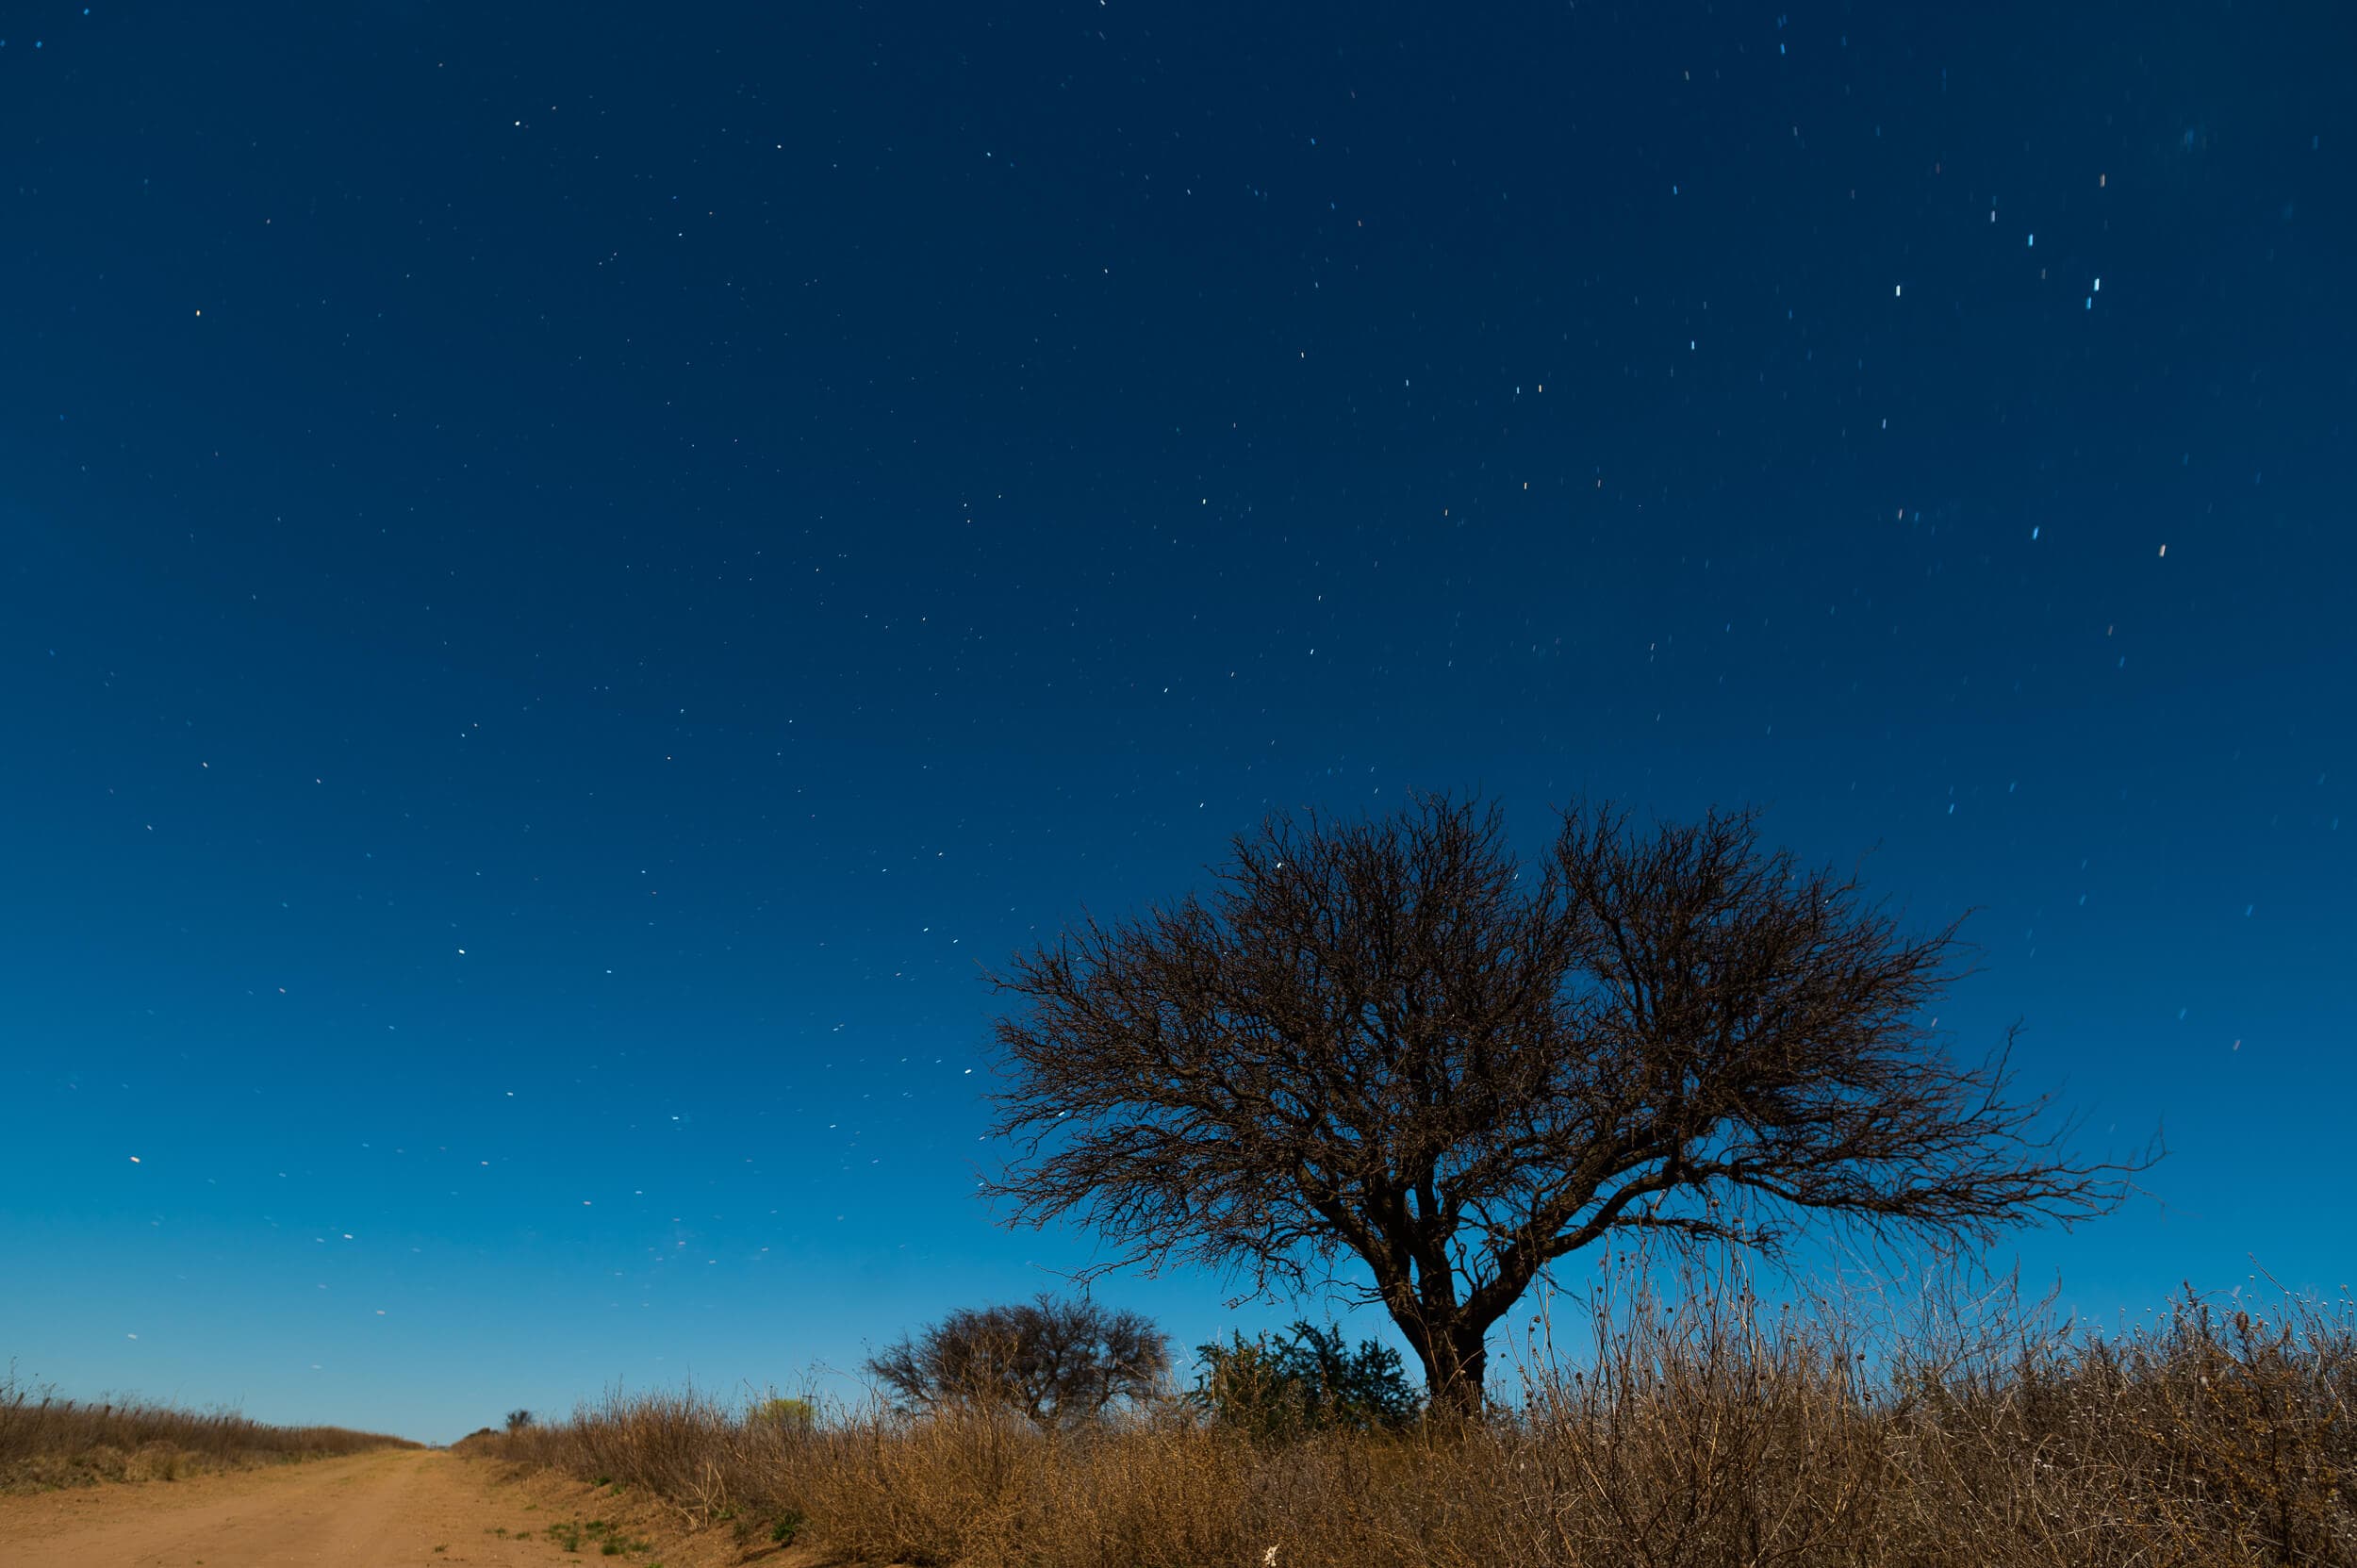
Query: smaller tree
[[519, 1420], [1277, 1388], [1058, 1362]]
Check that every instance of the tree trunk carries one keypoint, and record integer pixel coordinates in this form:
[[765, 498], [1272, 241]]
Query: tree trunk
[[1456, 1364]]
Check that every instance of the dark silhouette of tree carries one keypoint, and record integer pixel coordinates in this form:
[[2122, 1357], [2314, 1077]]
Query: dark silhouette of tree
[[519, 1420], [1391, 1042], [1056, 1361]]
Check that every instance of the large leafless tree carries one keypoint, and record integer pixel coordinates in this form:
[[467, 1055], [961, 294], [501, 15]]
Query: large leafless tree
[[1390, 1041]]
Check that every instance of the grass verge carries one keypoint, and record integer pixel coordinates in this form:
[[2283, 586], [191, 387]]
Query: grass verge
[[1709, 1431], [47, 1440]]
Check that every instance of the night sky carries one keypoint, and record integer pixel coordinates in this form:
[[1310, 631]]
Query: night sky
[[574, 576]]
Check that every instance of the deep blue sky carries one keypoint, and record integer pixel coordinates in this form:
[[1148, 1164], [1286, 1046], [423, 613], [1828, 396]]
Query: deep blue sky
[[572, 575]]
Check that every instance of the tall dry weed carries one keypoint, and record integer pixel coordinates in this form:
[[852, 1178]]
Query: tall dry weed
[[1705, 1428]]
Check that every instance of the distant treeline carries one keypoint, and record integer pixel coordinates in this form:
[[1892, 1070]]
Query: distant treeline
[[46, 1440]]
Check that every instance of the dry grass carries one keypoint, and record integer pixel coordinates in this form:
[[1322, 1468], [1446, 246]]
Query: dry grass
[[1710, 1432], [47, 1440]]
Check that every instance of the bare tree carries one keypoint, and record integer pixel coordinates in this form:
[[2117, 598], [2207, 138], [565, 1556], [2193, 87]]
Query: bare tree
[[1056, 1361], [1389, 1041]]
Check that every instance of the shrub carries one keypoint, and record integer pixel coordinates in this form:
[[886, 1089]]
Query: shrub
[[1278, 1388], [785, 1414]]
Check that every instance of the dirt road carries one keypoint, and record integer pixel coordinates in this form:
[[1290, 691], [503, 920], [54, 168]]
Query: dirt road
[[406, 1507]]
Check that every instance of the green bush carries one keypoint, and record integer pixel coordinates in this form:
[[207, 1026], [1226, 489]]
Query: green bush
[[792, 1415], [1280, 1387]]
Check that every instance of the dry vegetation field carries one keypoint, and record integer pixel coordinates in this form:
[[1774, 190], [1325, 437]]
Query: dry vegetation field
[[47, 1440], [1711, 1432]]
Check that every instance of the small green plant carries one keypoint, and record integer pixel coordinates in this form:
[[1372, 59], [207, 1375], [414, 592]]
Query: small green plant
[[788, 1526], [567, 1535], [612, 1539]]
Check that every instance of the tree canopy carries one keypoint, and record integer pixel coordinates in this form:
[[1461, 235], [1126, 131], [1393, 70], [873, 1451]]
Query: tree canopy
[[1393, 1042], [1056, 1361]]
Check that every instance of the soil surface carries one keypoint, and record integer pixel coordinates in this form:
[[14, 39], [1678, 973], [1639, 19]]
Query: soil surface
[[406, 1507]]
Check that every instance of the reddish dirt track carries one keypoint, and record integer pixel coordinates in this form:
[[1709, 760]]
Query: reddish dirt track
[[368, 1512]]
